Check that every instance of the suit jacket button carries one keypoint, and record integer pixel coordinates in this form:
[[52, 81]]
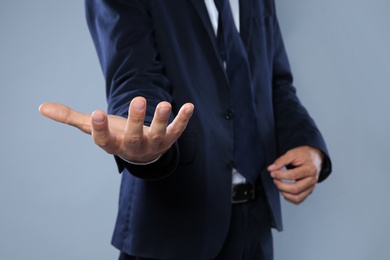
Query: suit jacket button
[[229, 114]]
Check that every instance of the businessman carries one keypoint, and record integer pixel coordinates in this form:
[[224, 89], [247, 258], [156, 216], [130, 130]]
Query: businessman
[[204, 124]]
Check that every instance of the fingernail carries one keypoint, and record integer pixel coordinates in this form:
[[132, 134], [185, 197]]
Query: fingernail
[[271, 166], [272, 174], [164, 111], [189, 111], [97, 117], [139, 105]]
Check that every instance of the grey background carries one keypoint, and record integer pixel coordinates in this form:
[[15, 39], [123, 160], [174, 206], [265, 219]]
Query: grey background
[[58, 192]]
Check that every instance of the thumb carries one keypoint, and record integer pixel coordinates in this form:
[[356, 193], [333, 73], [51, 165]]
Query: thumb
[[63, 114], [55, 111], [279, 163]]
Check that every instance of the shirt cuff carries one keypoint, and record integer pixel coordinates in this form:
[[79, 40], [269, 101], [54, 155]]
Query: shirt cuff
[[145, 163]]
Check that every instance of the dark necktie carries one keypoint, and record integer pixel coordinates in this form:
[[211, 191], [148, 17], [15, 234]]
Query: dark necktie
[[248, 150]]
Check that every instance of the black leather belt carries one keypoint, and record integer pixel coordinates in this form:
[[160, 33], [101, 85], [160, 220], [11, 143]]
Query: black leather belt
[[245, 192]]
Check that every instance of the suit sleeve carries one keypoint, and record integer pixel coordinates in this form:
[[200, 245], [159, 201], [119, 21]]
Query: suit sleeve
[[294, 126], [122, 32]]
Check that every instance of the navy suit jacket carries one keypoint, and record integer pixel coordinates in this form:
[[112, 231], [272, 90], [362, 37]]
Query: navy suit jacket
[[179, 207]]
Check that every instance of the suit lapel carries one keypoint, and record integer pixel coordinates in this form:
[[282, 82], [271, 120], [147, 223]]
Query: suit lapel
[[246, 22], [203, 14]]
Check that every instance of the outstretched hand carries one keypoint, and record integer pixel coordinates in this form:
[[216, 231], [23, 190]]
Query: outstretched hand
[[298, 182], [127, 138]]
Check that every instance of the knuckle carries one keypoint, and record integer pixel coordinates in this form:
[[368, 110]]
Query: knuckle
[[295, 190], [174, 130], [294, 199], [294, 176], [102, 142], [132, 140], [137, 119], [312, 169], [156, 138], [177, 131]]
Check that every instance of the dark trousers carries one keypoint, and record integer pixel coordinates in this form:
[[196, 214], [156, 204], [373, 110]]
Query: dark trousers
[[249, 234]]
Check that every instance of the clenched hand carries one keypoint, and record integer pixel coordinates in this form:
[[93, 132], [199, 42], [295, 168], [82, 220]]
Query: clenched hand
[[298, 182]]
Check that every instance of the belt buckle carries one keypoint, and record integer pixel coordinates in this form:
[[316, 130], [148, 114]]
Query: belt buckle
[[243, 192]]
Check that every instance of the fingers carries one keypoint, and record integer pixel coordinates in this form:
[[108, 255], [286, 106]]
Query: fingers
[[134, 130], [101, 134], [293, 194], [290, 158], [179, 124], [297, 173], [143, 144], [297, 184], [157, 130], [306, 160], [159, 137], [66, 115], [297, 191]]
